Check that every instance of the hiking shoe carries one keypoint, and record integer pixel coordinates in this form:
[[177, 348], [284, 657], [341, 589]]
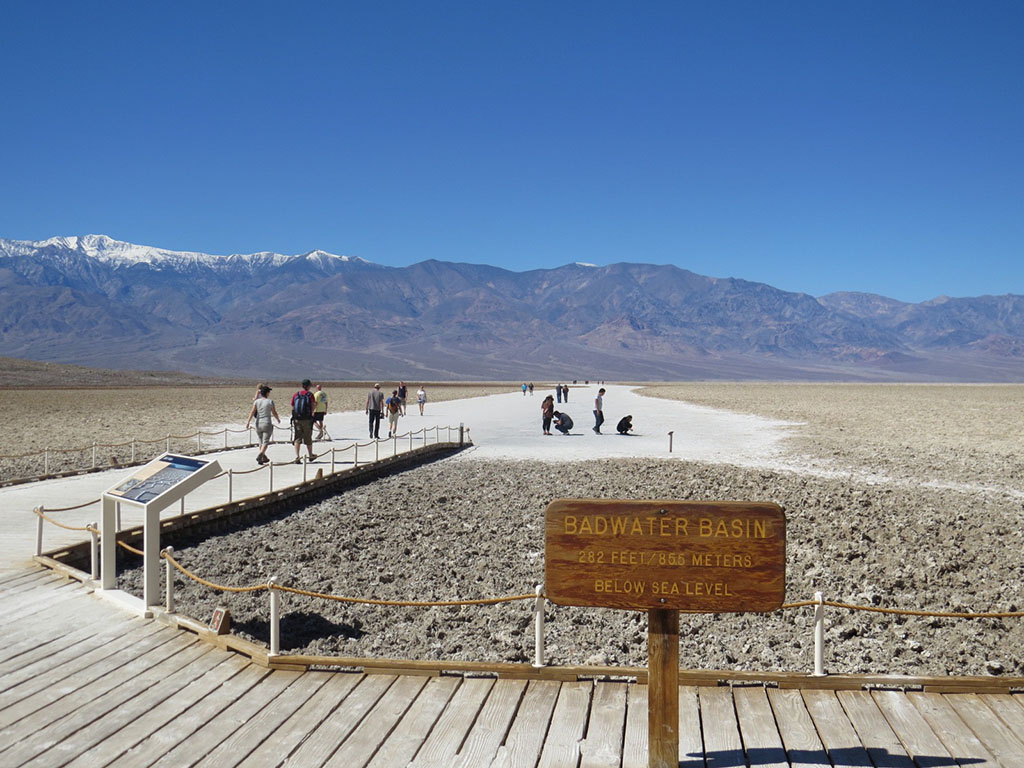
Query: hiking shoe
[[297, 461]]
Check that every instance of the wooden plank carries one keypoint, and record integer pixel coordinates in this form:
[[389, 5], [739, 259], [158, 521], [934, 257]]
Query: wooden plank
[[360, 747], [72, 713], [16, 577], [1009, 708], [993, 733], [796, 728], [606, 728], [525, 739], [873, 730], [721, 730], [115, 731], [634, 746], [959, 740], [50, 658], [691, 738], [663, 688], [406, 739], [835, 730], [183, 729], [492, 724], [232, 715], [67, 681], [458, 717], [912, 729], [757, 727], [262, 724], [335, 728], [568, 724], [129, 735], [304, 721]]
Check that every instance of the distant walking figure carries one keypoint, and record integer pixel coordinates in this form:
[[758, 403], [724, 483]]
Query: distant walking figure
[[394, 408], [531, 389], [599, 410], [302, 420], [421, 398], [263, 410], [524, 389], [403, 392], [563, 422], [374, 405], [565, 393], [547, 411], [625, 425], [319, 411], [558, 392]]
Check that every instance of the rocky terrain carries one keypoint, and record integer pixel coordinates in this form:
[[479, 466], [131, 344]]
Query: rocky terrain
[[943, 533]]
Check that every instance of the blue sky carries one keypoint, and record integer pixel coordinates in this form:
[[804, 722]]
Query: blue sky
[[816, 146]]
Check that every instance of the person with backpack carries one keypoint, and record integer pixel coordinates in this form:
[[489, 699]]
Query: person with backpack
[[394, 408], [302, 419], [374, 406]]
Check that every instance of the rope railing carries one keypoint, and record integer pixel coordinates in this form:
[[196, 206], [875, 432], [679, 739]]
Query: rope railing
[[540, 598]]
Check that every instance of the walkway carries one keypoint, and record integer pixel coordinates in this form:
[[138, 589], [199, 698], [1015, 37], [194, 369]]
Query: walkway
[[84, 684]]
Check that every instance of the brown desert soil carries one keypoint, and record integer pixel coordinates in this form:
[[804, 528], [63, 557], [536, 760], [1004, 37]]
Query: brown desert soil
[[912, 499]]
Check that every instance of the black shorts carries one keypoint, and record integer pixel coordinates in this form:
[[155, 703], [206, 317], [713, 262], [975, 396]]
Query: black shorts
[[318, 417]]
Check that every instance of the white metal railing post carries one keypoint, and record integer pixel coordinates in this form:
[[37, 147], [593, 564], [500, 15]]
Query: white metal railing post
[[394, 440], [462, 434], [334, 452], [304, 465], [117, 510], [94, 454], [271, 465], [275, 619], [819, 635], [169, 578], [410, 439], [538, 627], [376, 449], [355, 456], [94, 551], [670, 441], [183, 505], [46, 460], [199, 440], [225, 438], [39, 530], [133, 450], [231, 485]]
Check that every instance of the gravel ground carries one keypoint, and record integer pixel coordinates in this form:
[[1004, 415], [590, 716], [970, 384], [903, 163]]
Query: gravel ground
[[873, 533]]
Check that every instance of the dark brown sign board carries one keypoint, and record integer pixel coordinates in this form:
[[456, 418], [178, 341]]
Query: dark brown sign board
[[693, 556], [665, 557]]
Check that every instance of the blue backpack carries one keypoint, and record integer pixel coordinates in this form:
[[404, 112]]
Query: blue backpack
[[302, 405]]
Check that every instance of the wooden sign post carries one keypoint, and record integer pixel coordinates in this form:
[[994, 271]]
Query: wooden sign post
[[665, 557]]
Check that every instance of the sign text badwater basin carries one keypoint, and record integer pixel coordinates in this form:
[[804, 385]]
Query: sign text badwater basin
[[695, 556]]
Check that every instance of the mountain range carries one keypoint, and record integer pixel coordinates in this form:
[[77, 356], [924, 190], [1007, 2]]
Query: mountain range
[[100, 302]]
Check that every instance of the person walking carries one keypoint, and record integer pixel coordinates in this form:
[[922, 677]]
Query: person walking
[[263, 410], [599, 410], [558, 392], [524, 389], [302, 420], [421, 398], [319, 411], [547, 411], [394, 408], [565, 393], [403, 392], [374, 405]]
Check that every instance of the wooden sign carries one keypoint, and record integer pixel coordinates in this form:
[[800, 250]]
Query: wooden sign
[[693, 556], [220, 622]]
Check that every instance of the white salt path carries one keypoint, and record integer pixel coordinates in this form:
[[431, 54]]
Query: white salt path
[[500, 426]]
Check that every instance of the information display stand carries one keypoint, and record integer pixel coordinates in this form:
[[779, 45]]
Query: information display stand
[[152, 487]]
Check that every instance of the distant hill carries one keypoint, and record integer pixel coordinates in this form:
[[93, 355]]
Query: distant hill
[[100, 302]]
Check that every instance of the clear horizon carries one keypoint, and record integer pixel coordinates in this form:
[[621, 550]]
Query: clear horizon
[[813, 147]]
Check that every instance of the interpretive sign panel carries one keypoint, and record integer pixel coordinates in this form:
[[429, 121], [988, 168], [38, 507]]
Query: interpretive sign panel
[[694, 556], [161, 477]]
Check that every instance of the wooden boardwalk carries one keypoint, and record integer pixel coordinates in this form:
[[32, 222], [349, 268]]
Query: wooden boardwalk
[[84, 684]]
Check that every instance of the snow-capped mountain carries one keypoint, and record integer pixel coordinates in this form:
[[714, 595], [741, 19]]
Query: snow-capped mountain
[[101, 302]]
